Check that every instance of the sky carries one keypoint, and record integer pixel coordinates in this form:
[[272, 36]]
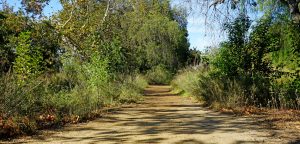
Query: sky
[[53, 6], [201, 35]]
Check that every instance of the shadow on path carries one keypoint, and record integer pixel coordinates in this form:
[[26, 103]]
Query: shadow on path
[[163, 118]]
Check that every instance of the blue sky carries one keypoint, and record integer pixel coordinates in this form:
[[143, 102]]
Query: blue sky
[[201, 35], [53, 6]]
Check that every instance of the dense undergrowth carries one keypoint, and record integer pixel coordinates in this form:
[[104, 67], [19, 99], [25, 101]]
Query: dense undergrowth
[[74, 94], [234, 93], [257, 67], [159, 75]]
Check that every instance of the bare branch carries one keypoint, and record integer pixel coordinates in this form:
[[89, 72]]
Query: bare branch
[[106, 11], [216, 2], [71, 15]]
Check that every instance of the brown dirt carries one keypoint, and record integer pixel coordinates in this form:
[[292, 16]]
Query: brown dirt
[[162, 118]]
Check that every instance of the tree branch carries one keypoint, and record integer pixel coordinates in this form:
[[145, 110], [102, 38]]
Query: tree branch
[[106, 11]]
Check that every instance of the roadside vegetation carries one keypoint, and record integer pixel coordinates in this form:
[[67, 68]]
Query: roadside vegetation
[[95, 54], [259, 65], [88, 56]]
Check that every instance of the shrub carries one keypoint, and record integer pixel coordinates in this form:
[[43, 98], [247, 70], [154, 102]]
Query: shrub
[[28, 59], [141, 82], [68, 96], [225, 92], [285, 92], [187, 80], [159, 75], [239, 91], [132, 88], [205, 87]]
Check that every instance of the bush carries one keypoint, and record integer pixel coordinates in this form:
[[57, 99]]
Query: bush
[[285, 92], [20, 104], [187, 80], [159, 75], [257, 91], [73, 94], [204, 87], [224, 92], [132, 88]]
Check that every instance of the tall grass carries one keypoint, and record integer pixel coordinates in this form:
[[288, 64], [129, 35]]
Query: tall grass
[[236, 92], [73, 94], [132, 88], [187, 80], [212, 91]]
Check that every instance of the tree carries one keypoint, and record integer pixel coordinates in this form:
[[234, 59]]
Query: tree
[[28, 59], [233, 56], [264, 5]]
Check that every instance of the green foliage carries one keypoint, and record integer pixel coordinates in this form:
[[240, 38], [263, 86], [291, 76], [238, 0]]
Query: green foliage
[[233, 56], [160, 38], [227, 61], [159, 75], [132, 89], [77, 91], [187, 80], [255, 64], [136, 37], [44, 41], [86, 81], [87, 56], [209, 89], [284, 47], [113, 52], [257, 68], [47, 39], [195, 57], [27, 62]]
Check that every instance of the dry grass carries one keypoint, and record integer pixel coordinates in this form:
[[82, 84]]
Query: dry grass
[[285, 118], [284, 123]]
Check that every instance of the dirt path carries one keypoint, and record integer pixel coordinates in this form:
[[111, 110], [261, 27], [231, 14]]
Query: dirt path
[[162, 118]]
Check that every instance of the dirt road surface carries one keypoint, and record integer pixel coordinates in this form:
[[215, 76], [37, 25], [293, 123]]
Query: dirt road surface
[[162, 118]]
